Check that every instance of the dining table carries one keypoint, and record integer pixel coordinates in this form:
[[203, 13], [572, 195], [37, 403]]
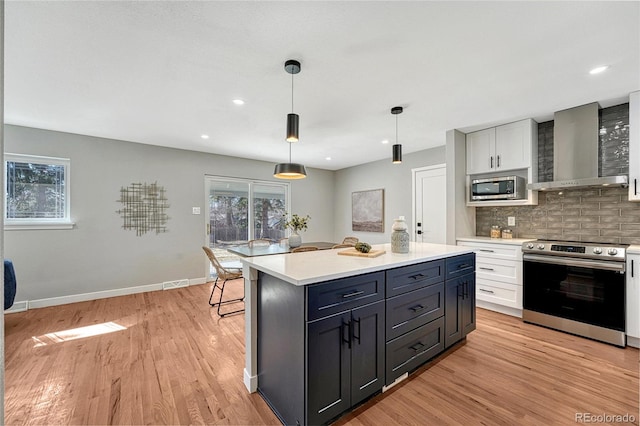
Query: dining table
[[264, 250]]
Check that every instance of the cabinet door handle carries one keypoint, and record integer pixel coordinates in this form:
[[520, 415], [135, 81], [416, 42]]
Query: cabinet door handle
[[417, 308], [486, 269], [485, 291], [498, 161], [491, 167], [460, 291], [635, 187], [632, 268], [346, 339], [487, 250], [353, 329], [417, 346], [465, 286], [417, 276], [352, 294]]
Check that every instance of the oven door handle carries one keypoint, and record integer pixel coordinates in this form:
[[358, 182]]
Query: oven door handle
[[594, 264]]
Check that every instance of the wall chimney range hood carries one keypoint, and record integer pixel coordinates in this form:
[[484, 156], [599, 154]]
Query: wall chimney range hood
[[575, 151]]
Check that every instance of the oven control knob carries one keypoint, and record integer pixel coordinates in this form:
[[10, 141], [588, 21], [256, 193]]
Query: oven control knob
[[597, 250], [540, 246], [612, 252], [530, 246]]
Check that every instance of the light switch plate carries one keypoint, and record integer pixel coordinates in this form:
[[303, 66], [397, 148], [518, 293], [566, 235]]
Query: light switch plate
[[511, 221], [196, 210]]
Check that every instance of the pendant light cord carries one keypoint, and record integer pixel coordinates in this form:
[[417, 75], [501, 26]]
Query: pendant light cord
[[291, 92], [396, 128]]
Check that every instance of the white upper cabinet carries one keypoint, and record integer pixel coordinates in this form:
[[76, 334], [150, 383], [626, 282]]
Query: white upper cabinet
[[481, 147], [502, 148], [634, 146]]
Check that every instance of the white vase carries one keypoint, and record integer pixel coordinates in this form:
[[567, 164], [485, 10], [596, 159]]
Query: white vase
[[295, 240], [399, 237]]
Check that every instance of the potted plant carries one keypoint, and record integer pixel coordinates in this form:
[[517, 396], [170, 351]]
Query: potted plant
[[296, 224]]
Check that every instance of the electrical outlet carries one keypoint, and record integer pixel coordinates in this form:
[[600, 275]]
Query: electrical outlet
[[196, 210], [511, 221]]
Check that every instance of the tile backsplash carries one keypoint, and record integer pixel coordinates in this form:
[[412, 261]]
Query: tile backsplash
[[588, 214]]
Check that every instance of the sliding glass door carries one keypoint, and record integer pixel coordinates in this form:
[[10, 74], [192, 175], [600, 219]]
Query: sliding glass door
[[240, 210]]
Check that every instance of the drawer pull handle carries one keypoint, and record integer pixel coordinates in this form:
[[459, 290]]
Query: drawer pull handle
[[355, 293], [417, 346], [487, 251], [486, 269], [417, 308], [463, 265], [416, 276], [485, 291]]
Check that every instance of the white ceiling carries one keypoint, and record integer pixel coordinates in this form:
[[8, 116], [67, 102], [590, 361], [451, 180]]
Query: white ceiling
[[163, 73]]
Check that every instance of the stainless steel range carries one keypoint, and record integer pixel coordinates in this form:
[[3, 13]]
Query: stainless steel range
[[576, 287]]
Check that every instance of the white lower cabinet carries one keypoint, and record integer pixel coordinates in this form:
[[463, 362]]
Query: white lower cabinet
[[498, 274], [633, 300]]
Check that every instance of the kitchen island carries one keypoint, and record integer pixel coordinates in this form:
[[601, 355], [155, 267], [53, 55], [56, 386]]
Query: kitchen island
[[325, 331]]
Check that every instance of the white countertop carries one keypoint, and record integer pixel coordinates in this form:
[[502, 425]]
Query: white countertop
[[512, 241], [323, 265], [633, 249]]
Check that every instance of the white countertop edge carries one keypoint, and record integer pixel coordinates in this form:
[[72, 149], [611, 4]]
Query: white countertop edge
[[510, 241], [349, 265], [633, 249]]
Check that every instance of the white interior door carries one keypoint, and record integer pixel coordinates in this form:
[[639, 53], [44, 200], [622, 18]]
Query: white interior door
[[430, 204]]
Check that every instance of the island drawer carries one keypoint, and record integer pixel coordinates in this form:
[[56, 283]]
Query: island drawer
[[412, 277], [411, 310], [412, 349], [458, 266], [347, 293]]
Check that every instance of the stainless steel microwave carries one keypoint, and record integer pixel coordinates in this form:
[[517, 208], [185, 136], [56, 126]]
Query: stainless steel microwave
[[499, 188]]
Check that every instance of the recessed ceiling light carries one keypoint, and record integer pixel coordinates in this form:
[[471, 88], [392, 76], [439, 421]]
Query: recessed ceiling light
[[204, 136], [385, 141], [238, 101], [328, 158], [598, 70]]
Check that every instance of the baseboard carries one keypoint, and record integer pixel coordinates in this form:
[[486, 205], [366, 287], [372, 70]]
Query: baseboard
[[499, 308], [17, 307], [22, 306], [634, 342]]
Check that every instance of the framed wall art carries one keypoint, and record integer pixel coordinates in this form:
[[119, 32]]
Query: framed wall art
[[367, 210]]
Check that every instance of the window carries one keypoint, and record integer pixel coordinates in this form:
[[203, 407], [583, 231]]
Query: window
[[37, 191]]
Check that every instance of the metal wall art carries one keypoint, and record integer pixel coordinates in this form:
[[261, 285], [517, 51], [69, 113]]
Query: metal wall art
[[144, 208]]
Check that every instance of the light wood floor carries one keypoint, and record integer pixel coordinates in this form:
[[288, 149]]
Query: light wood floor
[[165, 358]]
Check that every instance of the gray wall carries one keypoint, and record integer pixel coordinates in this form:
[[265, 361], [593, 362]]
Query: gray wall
[[98, 254], [395, 179]]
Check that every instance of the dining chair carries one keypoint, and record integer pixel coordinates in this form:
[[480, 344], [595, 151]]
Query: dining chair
[[335, 246], [303, 248], [350, 241], [224, 274], [260, 242]]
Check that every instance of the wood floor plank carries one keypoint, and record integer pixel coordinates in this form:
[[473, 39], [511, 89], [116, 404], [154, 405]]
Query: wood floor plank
[[166, 358]]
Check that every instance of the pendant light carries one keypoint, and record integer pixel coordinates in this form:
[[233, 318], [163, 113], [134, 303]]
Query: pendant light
[[291, 170], [397, 148], [292, 67]]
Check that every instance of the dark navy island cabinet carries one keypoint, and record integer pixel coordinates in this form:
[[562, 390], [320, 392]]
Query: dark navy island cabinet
[[324, 348], [460, 298]]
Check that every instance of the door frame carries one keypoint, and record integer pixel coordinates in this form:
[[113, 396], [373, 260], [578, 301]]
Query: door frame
[[414, 172]]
